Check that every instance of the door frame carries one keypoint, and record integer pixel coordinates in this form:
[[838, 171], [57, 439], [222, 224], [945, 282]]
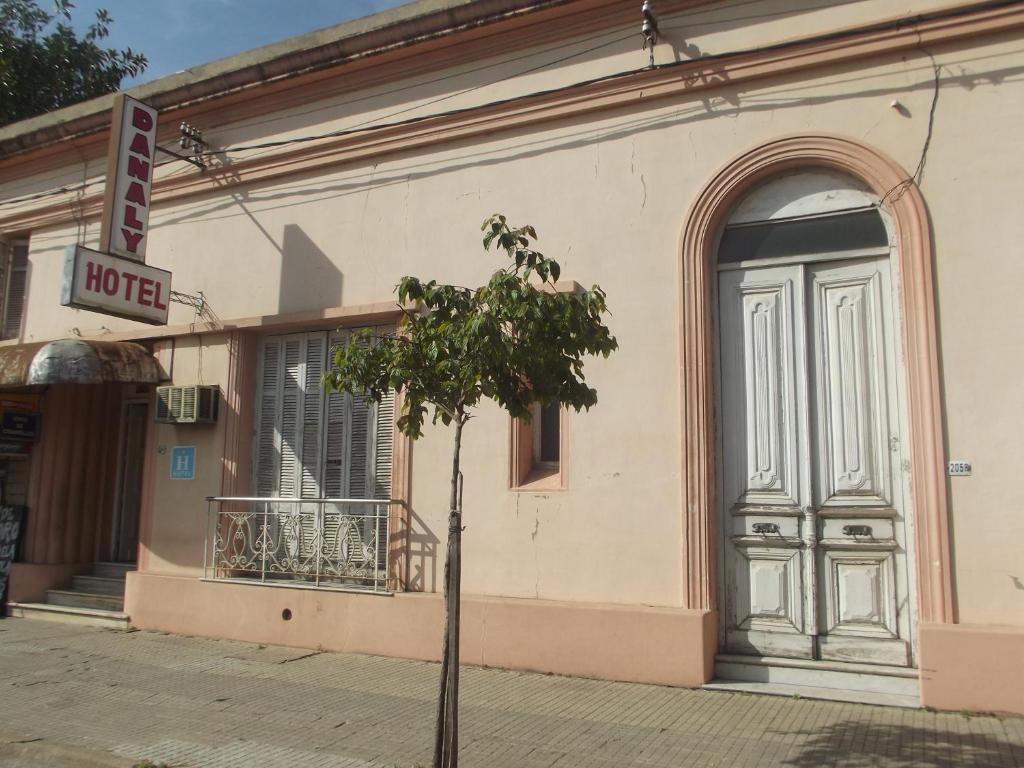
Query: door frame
[[915, 313], [122, 436], [900, 486]]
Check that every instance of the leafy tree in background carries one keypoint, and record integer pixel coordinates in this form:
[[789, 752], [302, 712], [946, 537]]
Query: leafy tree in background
[[45, 66], [515, 340]]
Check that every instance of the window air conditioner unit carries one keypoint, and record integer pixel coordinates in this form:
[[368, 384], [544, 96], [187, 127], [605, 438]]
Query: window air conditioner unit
[[193, 404]]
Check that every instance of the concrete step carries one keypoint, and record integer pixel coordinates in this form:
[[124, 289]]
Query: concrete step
[[69, 615], [816, 692], [97, 585], [72, 599], [834, 675], [112, 570]]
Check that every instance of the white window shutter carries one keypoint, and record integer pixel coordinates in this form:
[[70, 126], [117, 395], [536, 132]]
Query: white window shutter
[[291, 404], [13, 282], [313, 444], [312, 416], [360, 433], [384, 448], [383, 452], [335, 481], [360, 445], [384, 439], [268, 442]]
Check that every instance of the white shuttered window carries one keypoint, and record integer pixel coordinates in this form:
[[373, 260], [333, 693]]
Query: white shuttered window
[[13, 274], [311, 444]]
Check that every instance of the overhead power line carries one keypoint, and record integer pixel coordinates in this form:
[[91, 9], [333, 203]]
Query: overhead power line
[[373, 125]]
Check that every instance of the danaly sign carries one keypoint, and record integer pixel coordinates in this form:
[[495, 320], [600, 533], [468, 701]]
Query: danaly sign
[[115, 279], [124, 227], [116, 286]]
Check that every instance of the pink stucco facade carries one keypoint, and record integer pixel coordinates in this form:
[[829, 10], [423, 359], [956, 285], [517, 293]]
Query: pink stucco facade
[[612, 567]]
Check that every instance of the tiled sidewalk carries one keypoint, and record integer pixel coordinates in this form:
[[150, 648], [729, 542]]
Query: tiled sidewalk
[[217, 704]]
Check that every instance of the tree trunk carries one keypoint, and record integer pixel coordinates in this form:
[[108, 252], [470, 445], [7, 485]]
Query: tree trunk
[[446, 737]]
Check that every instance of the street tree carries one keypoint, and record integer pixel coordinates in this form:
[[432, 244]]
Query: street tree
[[517, 340], [45, 65]]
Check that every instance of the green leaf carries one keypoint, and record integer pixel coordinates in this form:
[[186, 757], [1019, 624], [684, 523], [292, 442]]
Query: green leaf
[[505, 341]]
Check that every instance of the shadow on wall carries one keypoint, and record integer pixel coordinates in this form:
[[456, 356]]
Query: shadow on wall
[[309, 280], [966, 741], [421, 548]]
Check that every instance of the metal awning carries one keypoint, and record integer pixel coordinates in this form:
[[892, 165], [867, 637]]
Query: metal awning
[[77, 361]]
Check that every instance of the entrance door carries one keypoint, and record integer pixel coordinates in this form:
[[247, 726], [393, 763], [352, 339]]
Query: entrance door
[[126, 515], [815, 561]]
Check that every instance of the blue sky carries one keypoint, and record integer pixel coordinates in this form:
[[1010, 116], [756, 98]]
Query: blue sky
[[177, 34]]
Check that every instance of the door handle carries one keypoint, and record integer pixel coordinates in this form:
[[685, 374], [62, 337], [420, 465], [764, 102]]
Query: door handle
[[856, 530], [765, 528]]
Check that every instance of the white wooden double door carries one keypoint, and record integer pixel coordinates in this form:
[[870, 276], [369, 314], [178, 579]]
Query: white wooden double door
[[815, 544]]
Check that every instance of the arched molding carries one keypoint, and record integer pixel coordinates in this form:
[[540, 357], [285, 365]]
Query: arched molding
[[916, 289]]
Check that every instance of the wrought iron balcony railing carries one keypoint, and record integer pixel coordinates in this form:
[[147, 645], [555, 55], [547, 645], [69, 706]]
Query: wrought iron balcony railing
[[311, 543]]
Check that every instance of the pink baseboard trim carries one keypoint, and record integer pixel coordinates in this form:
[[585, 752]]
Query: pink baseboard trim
[[28, 582], [969, 667], [668, 646]]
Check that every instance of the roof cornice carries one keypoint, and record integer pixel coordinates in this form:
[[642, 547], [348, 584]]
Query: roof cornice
[[399, 27], [672, 81]]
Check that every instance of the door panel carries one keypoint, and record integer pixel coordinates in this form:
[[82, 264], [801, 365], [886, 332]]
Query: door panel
[[851, 380], [862, 559], [760, 375], [859, 606], [762, 379], [815, 560], [859, 593]]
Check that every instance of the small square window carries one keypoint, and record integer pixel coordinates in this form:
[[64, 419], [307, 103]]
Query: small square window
[[538, 449]]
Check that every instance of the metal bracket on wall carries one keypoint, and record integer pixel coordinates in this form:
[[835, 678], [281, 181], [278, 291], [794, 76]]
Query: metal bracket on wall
[[649, 29], [191, 140], [197, 302], [200, 305]]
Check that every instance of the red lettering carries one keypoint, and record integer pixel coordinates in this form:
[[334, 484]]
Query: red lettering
[[93, 276], [136, 194], [141, 119], [111, 280], [131, 240], [139, 145], [156, 299], [130, 219], [139, 169], [145, 291], [129, 280]]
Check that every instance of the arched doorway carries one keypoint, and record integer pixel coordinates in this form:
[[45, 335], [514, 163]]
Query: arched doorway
[[814, 541], [882, 186]]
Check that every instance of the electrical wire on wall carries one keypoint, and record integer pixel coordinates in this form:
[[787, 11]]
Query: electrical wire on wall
[[375, 124], [897, 190]]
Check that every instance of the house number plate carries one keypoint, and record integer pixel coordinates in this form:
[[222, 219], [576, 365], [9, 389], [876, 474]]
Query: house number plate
[[958, 468]]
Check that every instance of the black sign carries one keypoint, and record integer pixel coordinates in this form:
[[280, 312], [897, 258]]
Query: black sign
[[10, 525], [19, 425]]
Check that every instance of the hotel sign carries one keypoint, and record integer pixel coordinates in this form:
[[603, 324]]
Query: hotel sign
[[102, 282], [115, 279], [124, 227]]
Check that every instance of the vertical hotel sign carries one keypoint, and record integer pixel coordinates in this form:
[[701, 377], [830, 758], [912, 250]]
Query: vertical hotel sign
[[115, 280], [124, 228]]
